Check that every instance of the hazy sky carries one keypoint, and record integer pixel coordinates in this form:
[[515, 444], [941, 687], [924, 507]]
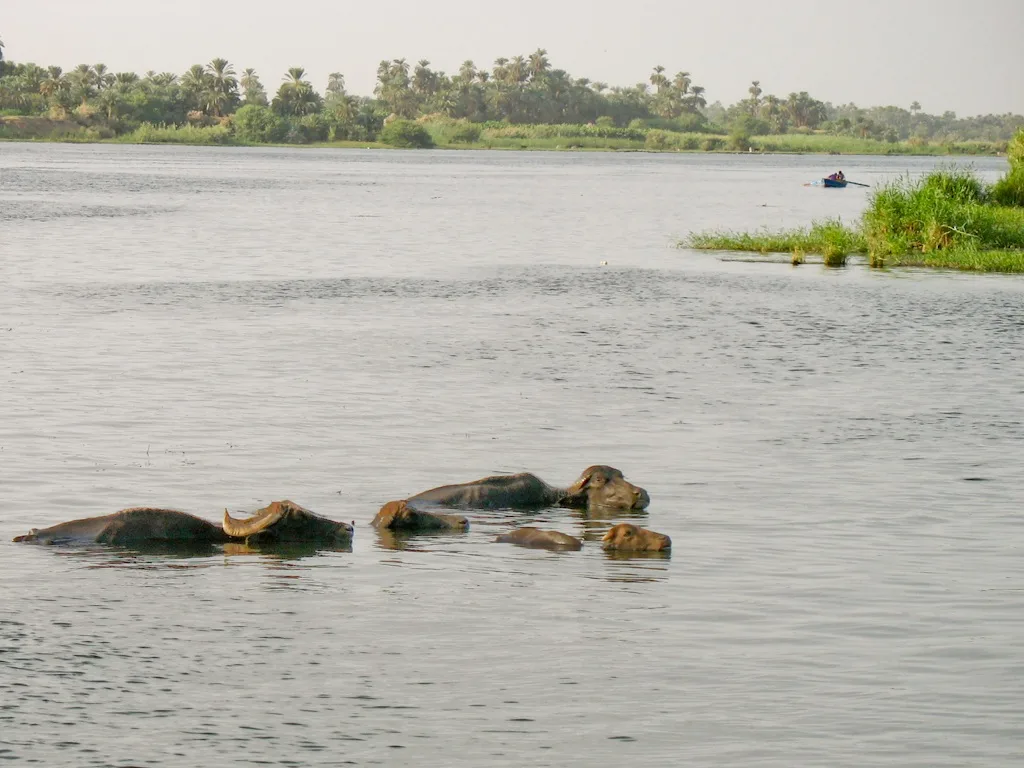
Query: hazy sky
[[962, 56]]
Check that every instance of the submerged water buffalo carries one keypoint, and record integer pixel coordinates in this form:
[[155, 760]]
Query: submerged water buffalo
[[280, 521], [625, 537], [598, 486], [536, 538], [399, 516], [130, 526]]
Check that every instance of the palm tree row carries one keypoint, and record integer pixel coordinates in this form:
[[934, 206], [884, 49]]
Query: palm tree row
[[520, 89]]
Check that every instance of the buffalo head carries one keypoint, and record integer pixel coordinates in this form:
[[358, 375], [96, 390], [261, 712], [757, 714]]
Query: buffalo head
[[601, 486], [630, 538], [286, 521]]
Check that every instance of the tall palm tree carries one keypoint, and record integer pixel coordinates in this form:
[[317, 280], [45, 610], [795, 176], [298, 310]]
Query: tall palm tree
[[165, 79], [467, 72], [499, 69], [538, 66], [110, 101], [336, 84], [221, 85], [517, 70], [195, 83], [53, 82], [424, 81], [101, 76], [295, 76], [253, 88], [697, 100], [296, 95], [81, 78], [658, 79]]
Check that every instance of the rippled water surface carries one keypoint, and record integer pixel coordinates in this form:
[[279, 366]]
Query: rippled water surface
[[835, 453]]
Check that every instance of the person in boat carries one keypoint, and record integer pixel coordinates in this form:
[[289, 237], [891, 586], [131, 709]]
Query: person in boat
[[837, 176]]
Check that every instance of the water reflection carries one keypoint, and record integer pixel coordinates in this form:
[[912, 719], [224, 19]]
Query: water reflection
[[595, 522], [636, 567], [284, 550], [185, 555], [411, 541], [619, 555]]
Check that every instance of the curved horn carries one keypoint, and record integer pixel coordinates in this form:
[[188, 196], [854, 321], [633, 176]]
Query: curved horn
[[581, 483], [260, 521]]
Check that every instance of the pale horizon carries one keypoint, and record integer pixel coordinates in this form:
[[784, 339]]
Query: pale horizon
[[947, 56]]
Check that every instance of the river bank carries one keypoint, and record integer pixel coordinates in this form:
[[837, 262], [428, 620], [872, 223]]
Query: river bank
[[505, 137]]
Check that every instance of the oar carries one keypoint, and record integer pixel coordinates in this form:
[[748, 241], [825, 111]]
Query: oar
[[858, 184]]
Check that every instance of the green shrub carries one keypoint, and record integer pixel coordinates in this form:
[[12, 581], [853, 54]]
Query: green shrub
[[944, 210], [258, 125], [464, 133], [712, 143], [605, 121], [739, 140], [563, 131], [308, 129], [147, 133], [657, 140], [953, 184], [1009, 190], [407, 134], [1015, 150]]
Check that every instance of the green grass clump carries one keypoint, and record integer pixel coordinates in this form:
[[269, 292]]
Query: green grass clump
[[966, 259], [147, 133], [830, 238], [1015, 151], [944, 210], [493, 130], [1009, 190]]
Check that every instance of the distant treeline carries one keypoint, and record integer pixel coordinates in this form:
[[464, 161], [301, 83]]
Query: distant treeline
[[518, 90]]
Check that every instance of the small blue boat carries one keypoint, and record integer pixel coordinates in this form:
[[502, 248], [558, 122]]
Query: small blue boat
[[834, 183]]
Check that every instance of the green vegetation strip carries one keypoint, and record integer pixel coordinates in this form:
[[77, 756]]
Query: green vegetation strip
[[948, 219], [521, 102]]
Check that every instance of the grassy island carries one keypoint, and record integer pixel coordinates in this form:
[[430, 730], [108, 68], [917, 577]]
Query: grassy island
[[948, 219], [522, 102]]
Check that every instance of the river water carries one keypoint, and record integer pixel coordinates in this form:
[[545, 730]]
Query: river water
[[835, 453]]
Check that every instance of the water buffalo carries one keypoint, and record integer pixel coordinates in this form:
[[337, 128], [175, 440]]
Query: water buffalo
[[598, 486], [281, 521], [625, 537], [130, 526], [535, 538], [399, 516]]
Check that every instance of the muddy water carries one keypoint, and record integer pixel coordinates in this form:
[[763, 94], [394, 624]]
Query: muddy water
[[836, 454]]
